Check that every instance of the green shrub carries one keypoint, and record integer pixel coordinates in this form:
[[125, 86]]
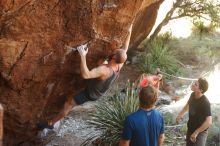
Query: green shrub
[[213, 135], [168, 118], [158, 56], [165, 37], [201, 29], [108, 120]]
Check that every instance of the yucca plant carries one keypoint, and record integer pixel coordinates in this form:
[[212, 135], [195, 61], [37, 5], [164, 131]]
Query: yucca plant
[[201, 29], [158, 56], [108, 120], [165, 37]]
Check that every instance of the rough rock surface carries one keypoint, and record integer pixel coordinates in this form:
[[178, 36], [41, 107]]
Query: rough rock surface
[[1, 124], [37, 70]]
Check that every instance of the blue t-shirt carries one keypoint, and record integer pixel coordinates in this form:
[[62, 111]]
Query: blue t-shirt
[[143, 128]]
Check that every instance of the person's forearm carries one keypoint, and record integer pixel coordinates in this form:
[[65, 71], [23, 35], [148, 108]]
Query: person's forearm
[[128, 38], [185, 109], [124, 143], [206, 124], [83, 67], [181, 113], [161, 140]]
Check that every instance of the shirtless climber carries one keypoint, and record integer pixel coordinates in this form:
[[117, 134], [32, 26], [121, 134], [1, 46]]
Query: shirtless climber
[[101, 79]]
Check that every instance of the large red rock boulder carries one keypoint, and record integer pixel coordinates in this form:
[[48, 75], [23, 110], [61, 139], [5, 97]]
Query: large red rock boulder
[[1, 125], [36, 69]]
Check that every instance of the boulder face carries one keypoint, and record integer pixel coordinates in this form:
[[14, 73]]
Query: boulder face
[[37, 70]]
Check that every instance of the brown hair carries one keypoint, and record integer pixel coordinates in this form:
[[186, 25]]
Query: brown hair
[[148, 96], [203, 84]]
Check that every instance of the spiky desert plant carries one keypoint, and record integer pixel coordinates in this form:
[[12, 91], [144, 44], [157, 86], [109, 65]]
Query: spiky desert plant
[[108, 120], [201, 29], [159, 56]]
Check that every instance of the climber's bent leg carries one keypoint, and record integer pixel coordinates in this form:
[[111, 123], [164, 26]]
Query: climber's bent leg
[[68, 105]]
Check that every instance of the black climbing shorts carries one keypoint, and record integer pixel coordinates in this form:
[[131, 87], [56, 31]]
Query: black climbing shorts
[[82, 97]]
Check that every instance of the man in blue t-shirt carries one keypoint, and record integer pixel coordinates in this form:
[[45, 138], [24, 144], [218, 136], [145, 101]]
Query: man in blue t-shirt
[[144, 127]]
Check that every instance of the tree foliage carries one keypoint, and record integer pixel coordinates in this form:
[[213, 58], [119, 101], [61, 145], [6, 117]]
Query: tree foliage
[[206, 9]]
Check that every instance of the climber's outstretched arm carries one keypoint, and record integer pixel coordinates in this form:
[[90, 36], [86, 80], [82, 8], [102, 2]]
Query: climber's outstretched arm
[[128, 38], [97, 72]]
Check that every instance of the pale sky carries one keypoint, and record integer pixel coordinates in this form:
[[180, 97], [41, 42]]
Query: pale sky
[[179, 28]]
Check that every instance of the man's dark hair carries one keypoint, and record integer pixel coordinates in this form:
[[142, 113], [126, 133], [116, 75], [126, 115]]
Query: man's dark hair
[[203, 84], [148, 96]]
